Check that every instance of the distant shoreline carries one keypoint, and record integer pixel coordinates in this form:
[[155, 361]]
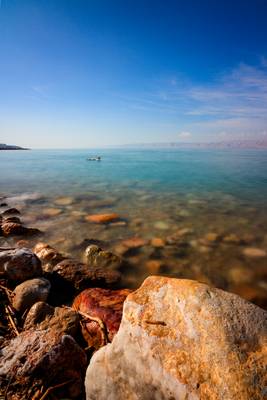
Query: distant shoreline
[[11, 147]]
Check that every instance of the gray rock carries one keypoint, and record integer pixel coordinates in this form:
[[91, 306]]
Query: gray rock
[[29, 292], [19, 264]]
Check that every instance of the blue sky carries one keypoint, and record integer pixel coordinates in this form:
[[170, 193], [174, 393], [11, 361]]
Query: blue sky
[[82, 73]]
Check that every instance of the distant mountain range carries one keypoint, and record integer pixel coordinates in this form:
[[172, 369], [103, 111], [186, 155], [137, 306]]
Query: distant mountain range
[[11, 147], [237, 144]]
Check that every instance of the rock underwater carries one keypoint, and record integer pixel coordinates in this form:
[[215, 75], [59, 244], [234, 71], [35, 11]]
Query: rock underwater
[[180, 339]]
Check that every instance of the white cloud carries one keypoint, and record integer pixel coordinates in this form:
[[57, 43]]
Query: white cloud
[[184, 135]]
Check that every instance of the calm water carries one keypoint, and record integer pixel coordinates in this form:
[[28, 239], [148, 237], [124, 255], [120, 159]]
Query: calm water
[[179, 196]]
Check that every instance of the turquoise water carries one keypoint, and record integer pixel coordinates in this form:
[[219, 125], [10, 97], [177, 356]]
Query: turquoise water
[[241, 173], [207, 207]]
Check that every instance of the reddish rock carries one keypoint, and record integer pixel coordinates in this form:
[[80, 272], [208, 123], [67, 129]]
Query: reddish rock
[[106, 305], [102, 218], [39, 358], [20, 264]]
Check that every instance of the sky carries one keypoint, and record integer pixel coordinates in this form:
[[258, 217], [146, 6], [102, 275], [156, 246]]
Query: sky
[[89, 73]]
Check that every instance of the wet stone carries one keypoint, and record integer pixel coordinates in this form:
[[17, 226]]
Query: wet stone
[[95, 257], [10, 211], [74, 275], [62, 321], [29, 292], [48, 256], [19, 264]]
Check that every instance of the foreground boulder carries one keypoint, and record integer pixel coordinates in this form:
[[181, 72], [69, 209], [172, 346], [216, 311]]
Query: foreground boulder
[[180, 339], [104, 309], [29, 292], [37, 359], [19, 264]]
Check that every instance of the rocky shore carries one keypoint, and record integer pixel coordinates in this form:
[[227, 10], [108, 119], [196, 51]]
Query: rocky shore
[[71, 329]]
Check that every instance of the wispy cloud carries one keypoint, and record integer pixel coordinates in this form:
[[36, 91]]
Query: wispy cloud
[[235, 102]]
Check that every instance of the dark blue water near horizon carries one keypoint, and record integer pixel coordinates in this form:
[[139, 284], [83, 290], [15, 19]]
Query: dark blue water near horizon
[[241, 173]]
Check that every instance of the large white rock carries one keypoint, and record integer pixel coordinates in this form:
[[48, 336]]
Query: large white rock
[[183, 340]]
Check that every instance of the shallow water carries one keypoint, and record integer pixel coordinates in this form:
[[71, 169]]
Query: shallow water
[[179, 196]]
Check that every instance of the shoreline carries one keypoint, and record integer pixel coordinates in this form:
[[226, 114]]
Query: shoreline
[[63, 310]]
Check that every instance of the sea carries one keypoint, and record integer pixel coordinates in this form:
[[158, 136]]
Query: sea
[[192, 213]]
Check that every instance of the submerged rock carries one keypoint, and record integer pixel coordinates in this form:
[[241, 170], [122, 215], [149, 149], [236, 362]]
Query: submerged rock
[[254, 252], [60, 320], [20, 264], [180, 339], [95, 257], [64, 201], [157, 242], [102, 218], [29, 292], [38, 358], [105, 305], [52, 212], [134, 242], [161, 225]]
